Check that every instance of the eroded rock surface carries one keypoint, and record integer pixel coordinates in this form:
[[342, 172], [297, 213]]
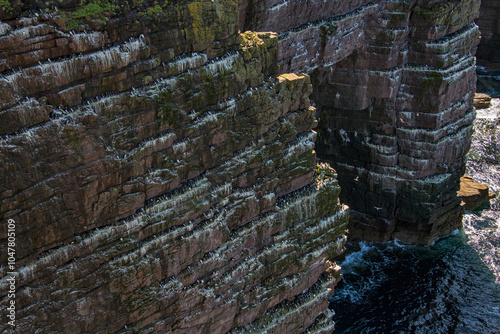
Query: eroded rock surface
[[394, 86], [482, 101], [161, 175], [473, 194]]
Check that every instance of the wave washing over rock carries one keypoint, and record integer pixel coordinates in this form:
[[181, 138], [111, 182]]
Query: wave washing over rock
[[452, 286], [395, 288]]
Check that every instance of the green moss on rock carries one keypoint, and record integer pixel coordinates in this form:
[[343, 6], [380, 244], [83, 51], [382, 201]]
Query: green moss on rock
[[73, 139], [167, 112]]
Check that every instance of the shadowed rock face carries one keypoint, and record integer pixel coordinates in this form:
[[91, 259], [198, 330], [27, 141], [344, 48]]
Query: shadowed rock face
[[489, 24], [393, 84], [161, 175]]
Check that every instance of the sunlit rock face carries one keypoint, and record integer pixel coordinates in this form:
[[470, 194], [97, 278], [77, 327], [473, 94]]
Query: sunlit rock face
[[393, 84], [161, 175], [489, 24]]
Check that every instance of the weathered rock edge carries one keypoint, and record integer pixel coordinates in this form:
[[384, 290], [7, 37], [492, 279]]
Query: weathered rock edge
[[162, 178], [474, 195]]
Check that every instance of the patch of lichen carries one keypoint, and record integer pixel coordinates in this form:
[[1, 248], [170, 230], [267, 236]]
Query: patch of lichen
[[256, 41], [88, 14], [250, 39], [397, 19], [386, 38], [324, 172], [327, 31], [81, 17], [167, 112], [399, 6], [198, 12], [218, 86], [429, 81], [6, 6], [156, 9], [211, 88], [94, 9], [73, 139], [329, 190], [186, 85], [79, 13], [452, 14], [275, 269]]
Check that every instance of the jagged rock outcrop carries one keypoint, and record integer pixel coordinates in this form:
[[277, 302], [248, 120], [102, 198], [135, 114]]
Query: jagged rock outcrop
[[489, 24], [160, 174], [393, 83]]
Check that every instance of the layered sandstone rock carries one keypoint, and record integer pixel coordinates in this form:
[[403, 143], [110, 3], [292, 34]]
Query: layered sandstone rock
[[473, 194], [161, 175], [482, 101], [393, 82]]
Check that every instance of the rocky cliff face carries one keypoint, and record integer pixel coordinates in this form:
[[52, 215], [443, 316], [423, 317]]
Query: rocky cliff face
[[489, 24], [160, 174], [393, 83]]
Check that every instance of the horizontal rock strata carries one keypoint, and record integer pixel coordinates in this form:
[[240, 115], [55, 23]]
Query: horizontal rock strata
[[473, 194], [482, 101], [393, 82], [161, 175]]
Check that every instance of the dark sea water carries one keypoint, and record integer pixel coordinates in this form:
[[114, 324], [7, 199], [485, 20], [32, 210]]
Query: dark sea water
[[452, 286], [443, 288], [488, 82]]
